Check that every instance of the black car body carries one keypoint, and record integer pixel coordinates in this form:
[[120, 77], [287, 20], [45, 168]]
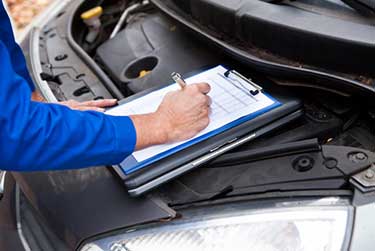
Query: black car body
[[319, 51]]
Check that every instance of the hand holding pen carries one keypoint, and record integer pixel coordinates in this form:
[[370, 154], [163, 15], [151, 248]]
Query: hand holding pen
[[183, 113]]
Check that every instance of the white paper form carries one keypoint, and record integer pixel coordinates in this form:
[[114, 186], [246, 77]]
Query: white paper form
[[231, 100]]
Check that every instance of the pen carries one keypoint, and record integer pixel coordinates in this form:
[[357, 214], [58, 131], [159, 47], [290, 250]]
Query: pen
[[178, 79]]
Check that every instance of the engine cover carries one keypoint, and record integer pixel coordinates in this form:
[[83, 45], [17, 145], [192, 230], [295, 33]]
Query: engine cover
[[149, 49]]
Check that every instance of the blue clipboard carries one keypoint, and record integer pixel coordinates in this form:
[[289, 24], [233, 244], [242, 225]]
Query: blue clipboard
[[131, 165]]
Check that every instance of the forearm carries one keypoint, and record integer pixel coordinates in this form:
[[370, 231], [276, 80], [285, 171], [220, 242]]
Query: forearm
[[35, 136], [53, 137], [150, 130]]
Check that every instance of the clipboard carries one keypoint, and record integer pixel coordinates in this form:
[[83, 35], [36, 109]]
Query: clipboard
[[169, 168], [142, 183], [232, 81]]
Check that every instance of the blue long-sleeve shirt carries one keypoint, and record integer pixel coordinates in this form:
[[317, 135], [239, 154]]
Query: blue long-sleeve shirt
[[36, 136]]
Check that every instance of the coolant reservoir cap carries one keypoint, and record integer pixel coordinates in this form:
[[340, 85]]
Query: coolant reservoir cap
[[143, 73], [92, 13]]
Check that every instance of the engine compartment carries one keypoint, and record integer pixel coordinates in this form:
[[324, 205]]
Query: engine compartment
[[151, 46], [143, 55]]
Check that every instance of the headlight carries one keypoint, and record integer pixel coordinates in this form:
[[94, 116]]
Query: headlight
[[289, 228]]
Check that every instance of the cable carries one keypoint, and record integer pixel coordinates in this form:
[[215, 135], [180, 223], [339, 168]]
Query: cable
[[125, 14]]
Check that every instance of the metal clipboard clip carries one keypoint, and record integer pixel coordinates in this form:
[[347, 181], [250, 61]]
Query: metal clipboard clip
[[234, 74]]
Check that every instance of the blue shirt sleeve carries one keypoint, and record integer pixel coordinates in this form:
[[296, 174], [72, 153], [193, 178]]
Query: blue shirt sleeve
[[36, 136], [16, 55]]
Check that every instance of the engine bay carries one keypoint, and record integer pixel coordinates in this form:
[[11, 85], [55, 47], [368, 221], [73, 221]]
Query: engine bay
[[143, 55], [151, 45]]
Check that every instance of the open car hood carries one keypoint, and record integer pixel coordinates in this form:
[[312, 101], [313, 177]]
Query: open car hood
[[284, 41]]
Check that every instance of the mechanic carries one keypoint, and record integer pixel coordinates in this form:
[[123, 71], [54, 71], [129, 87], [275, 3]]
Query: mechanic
[[37, 136]]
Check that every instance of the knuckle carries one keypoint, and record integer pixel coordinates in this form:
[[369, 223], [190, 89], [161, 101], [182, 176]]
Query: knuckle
[[206, 87], [205, 113]]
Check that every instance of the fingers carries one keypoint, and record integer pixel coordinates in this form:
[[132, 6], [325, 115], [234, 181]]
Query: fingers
[[69, 103], [89, 108], [204, 121], [205, 100], [96, 105], [201, 87], [208, 100], [205, 112], [99, 103]]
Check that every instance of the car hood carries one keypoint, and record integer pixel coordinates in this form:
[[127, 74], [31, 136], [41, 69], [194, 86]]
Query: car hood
[[285, 41]]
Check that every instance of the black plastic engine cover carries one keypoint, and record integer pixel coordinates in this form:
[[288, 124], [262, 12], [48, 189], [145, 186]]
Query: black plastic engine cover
[[152, 43], [331, 39]]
